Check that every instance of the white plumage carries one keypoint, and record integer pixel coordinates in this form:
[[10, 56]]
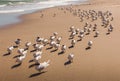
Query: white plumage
[[90, 43], [70, 57], [10, 49], [42, 66]]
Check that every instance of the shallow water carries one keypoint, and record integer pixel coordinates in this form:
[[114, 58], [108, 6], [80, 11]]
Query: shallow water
[[10, 10]]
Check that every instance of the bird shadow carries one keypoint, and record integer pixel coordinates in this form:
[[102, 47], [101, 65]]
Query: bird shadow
[[95, 36], [6, 54], [48, 48], [60, 53], [67, 63], [26, 48], [79, 40], [70, 38], [87, 48], [53, 50], [69, 31], [71, 46], [107, 33], [36, 74], [93, 30], [33, 50], [32, 65], [87, 33], [31, 60], [15, 46], [16, 65], [16, 56]]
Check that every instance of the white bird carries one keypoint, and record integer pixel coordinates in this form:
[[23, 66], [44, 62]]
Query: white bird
[[52, 43], [42, 66], [82, 31], [73, 42], [77, 30], [17, 42], [85, 29], [35, 46], [86, 24], [24, 52], [70, 57], [10, 49], [28, 44], [38, 53], [55, 34], [90, 43], [63, 48], [52, 38], [20, 50], [40, 47], [36, 59], [111, 27], [89, 30], [39, 40], [59, 40], [56, 46], [20, 59], [109, 30], [81, 36], [96, 33], [73, 34], [45, 42], [95, 27], [72, 28]]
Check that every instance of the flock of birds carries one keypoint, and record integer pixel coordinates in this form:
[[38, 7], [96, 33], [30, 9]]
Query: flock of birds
[[54, 41]]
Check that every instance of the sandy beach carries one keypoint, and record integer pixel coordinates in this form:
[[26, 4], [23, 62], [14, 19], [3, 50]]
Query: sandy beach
[[100, 63]]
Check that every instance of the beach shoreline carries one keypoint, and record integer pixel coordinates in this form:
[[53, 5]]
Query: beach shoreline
[[22, 17], [11, 16], [100, 63]]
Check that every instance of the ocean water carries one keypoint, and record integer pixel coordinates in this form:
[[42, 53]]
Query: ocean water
[[10, 10]]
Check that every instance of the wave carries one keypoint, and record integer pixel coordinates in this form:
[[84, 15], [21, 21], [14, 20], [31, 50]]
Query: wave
[[11, 11], [3, 5], [27, 6]]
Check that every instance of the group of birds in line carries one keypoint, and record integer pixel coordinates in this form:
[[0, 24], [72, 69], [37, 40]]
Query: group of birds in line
[[54, 41], [91, 15]]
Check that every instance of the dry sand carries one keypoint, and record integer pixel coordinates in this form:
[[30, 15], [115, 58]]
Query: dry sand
[[101, 63]]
